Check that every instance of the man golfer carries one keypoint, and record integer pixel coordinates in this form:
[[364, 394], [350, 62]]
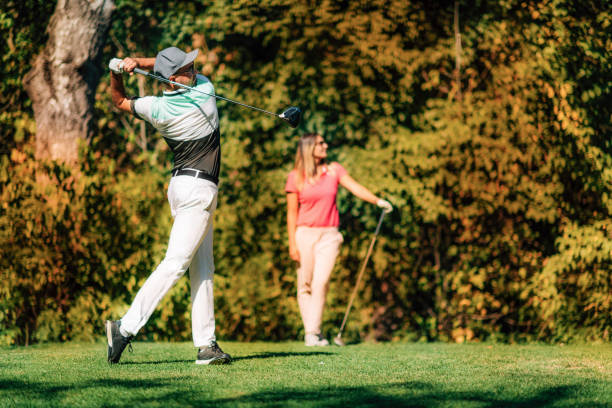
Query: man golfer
[[189, 123]]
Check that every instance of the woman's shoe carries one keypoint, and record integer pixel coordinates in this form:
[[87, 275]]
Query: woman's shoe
[[311, 340]]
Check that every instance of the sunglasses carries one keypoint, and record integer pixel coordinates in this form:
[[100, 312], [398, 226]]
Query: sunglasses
[[190, 70]]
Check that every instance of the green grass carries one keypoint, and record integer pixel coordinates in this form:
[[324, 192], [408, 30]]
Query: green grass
[[291, 375]]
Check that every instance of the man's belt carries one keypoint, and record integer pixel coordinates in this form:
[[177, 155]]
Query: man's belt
[[194, 173]]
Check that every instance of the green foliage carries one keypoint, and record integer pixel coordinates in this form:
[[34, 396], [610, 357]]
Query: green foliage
[[573, 291], [75, 242], [494, 177], [502, 183], [22, 27]]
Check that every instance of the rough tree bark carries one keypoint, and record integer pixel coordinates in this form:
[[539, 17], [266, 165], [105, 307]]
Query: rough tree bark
[[64, 76]]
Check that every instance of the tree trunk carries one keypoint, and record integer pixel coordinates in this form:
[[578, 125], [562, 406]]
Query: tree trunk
[[64, 77]]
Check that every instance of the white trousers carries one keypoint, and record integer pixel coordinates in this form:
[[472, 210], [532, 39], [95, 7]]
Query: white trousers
[[318, 248], [193, 202]]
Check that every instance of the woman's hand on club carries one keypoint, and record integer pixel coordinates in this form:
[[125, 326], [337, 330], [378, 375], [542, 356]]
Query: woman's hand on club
[[385, 205]]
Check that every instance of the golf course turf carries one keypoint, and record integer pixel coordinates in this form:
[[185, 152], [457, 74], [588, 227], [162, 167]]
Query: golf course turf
[[292, 375]]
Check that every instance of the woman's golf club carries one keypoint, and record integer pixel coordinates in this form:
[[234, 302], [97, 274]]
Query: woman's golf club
[[290, 115], [338, 339]]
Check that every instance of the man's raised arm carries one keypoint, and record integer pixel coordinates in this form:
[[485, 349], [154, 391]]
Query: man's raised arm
[[118, 96]]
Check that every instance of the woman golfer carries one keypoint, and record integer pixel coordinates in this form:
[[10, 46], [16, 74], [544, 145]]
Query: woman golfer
[[312, 223]]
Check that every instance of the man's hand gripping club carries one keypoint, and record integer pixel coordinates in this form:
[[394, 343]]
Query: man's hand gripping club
[[119, 66]]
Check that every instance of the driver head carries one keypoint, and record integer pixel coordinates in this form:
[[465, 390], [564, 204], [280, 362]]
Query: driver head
[[292, 116]]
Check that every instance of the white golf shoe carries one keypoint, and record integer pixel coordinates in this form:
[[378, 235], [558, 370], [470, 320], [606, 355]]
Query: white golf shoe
[[314, 340]]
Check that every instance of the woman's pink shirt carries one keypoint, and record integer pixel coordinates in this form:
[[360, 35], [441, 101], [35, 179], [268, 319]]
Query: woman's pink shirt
[[317, 202]]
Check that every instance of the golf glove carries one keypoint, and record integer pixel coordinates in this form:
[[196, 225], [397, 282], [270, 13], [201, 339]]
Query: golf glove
[[116, 65], [385, 205]]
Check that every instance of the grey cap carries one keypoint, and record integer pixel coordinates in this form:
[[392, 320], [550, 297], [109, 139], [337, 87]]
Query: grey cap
[[171, 59]]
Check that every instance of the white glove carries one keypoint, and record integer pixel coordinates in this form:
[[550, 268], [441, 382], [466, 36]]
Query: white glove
[[385, 205], [116, 65]]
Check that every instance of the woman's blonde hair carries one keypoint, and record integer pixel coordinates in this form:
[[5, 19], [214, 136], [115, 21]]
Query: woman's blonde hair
[[305, 166]]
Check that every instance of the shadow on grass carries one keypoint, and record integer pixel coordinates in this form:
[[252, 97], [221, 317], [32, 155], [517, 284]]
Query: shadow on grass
[[261, 355], [280, 354], [156, 362], [409, 394], [406, 394]]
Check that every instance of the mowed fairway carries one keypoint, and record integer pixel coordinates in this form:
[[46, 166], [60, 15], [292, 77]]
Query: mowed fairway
[[292, 375]]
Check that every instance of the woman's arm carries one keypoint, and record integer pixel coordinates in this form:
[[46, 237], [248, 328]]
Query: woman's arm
[[360, 191], [292, 212], [357, 189]]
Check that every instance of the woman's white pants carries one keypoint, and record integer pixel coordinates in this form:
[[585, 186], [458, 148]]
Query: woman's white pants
[[318, 249]]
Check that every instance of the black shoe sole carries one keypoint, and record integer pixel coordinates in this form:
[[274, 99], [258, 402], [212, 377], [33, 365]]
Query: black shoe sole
[[109, 339]]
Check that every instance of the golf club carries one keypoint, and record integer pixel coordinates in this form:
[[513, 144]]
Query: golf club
[[290, 115], [338, 339]]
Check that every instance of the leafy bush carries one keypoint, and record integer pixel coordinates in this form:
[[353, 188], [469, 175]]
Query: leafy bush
[[503, 196], [573, 291], [75, 244]]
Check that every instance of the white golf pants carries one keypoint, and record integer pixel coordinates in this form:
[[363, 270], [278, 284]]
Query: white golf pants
[[318, 249], [193, 202]]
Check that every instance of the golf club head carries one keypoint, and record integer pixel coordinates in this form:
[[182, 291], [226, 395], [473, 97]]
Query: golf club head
[[292, 115], [338, 340]]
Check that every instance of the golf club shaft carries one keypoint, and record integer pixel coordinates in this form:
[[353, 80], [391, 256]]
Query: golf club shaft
[[142, 72], [363, 266]]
